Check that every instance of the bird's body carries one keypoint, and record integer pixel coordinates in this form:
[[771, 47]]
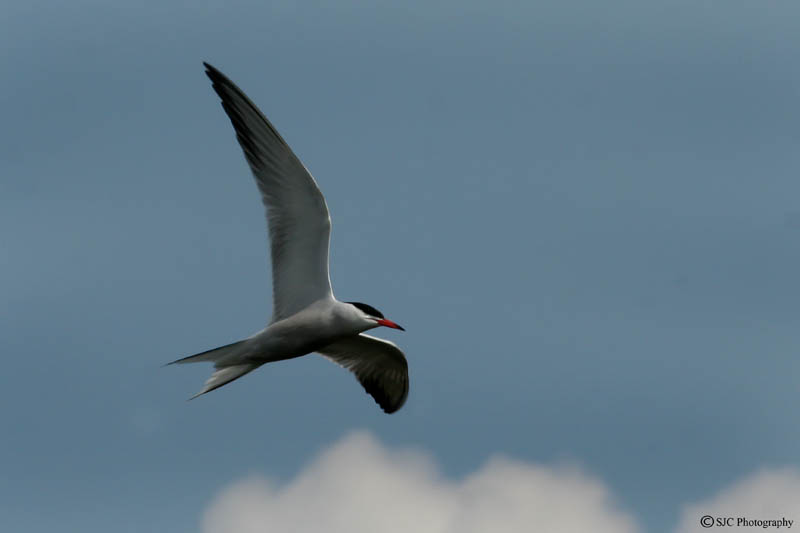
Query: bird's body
[[306, 316], [306, 331]]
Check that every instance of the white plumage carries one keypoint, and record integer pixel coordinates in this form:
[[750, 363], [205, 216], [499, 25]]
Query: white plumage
[[306, 316]]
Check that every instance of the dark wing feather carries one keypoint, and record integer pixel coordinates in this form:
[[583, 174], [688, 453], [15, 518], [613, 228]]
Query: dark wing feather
[[379, 366]]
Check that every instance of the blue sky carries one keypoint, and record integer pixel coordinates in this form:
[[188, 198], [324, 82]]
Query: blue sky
[[586, 215]]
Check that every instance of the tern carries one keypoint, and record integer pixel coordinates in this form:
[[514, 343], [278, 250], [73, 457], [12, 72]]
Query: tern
[[306, 317]]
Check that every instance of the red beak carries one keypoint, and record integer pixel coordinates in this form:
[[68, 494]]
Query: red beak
[[389, 324]]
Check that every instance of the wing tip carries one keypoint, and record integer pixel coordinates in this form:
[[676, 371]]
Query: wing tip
[[218, 79], [390, 410], [210, 69], [385, 401]]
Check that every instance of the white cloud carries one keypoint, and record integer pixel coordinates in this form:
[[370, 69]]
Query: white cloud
[[358, 485], [765, 495]]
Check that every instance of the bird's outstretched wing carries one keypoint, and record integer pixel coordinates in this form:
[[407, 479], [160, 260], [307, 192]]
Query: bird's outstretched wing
[[297, 216], [379, 366]]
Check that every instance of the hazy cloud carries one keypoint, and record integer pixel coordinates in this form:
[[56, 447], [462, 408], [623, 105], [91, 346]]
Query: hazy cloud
[[359, 485]]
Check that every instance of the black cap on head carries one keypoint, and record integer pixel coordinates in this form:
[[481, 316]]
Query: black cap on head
[[371, 311]]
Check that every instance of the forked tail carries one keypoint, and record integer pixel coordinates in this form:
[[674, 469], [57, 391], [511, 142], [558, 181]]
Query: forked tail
[[228, 366], [215, 356]]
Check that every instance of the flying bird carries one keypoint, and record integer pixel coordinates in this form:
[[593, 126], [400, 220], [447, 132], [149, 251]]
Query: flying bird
[[306, 316]]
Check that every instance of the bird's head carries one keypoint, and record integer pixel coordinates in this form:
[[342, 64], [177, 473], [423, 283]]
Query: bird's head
[[374, 317]]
